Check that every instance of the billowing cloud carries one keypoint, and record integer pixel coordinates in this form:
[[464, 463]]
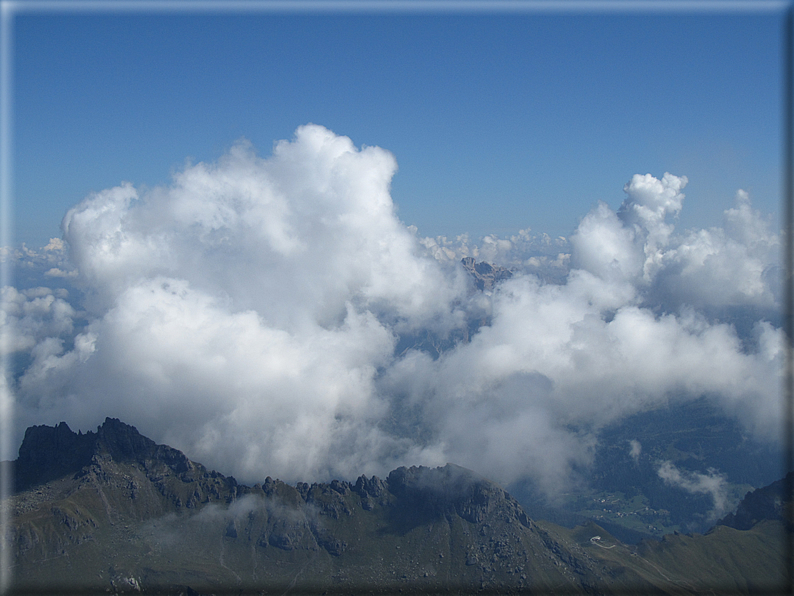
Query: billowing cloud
[[29, 317], [272, 316], [243, 312], [736, 265], [313, 227]]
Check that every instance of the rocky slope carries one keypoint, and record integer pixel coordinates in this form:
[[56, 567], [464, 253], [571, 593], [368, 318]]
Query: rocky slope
[[113, 510]]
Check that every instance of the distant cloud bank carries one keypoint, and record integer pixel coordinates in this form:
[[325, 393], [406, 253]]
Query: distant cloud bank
[[272, 316]]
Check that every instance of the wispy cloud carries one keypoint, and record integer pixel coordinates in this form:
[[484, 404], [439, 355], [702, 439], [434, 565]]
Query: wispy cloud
[[712, 483], [635, 449]]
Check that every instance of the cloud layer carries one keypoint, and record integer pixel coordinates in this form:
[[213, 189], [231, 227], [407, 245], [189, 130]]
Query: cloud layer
[[272, 316]]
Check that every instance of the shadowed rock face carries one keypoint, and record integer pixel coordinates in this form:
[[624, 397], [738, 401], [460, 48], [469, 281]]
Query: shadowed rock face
[[48, 453], [764, 504]]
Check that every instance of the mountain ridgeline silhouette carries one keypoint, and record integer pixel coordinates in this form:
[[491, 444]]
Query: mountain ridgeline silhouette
[[112, 511]]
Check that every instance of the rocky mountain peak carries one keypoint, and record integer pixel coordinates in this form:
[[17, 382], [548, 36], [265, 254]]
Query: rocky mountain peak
[[485, 275], [51, 452], [122, 441]]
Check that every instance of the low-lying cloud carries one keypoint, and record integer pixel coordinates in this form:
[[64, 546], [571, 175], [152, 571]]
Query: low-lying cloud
[[270, 316], [712, 483], [635, 449]]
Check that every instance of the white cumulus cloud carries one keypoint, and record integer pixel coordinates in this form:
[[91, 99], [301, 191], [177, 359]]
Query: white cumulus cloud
[[270, 316]]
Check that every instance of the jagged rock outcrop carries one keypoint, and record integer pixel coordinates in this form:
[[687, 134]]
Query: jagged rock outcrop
[[485, 275], [49, 452]]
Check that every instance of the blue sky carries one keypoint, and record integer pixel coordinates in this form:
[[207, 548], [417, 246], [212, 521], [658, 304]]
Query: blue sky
[[498, 121]]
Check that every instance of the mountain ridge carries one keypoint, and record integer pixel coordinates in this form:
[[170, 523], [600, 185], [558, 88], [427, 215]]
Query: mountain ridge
[[110, 519], [142, 517]]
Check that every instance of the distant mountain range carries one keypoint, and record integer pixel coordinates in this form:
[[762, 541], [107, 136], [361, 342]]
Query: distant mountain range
[[113, 512]]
